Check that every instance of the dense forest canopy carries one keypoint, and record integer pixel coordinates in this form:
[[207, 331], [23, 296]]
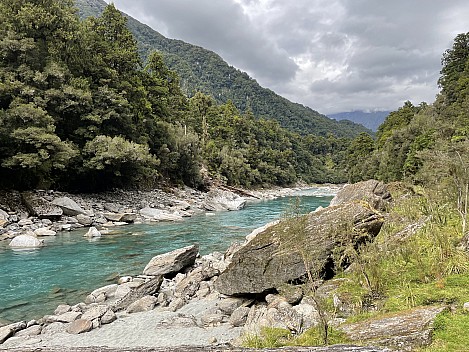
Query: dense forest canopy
[[81, 110], [201, 70]]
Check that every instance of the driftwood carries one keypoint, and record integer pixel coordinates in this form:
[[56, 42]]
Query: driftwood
[[335, 348], [148, 288]]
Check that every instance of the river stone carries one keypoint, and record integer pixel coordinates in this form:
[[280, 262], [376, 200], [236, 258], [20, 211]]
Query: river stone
[[409, 329], [372, 191], [280, 255], [108, 317], [44, 231], [5, 333], [172, 262], [68, 206], [108, 292], [33, 330], [159, 215], [92, 232], [239, 316], [95, 312], [219, 200], [128, 217], [144, 304], [79, 326], [85, 220], [113, 216], [62, 308], [68, 317], [38, 206], [26, 241]]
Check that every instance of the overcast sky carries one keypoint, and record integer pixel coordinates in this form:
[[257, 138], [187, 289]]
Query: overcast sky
[[331, 55]]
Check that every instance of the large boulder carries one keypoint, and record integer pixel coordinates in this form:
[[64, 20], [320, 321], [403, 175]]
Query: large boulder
[[38, 206], [375, 193], [68, 206], [26, 241], [218, 200], [407, 330], [172, 262], [284, 252], [159, 215]]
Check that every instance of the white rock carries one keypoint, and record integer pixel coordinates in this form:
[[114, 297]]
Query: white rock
[[26, 241], [159, 215], [44, 231], [92, 232]]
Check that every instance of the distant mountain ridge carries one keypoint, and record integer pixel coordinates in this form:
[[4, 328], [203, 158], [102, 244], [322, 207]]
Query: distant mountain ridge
[[371, 120], [203, 70]]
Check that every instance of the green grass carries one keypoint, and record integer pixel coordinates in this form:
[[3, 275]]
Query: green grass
[[276, 337], [450, 333]]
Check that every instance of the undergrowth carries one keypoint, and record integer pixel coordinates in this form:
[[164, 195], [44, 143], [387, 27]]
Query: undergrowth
[[416, 260]]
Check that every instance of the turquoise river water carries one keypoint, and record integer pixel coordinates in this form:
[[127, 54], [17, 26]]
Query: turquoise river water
[[34, 282]]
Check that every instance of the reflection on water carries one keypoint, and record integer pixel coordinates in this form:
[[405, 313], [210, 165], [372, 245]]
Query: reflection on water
[[34, 282]]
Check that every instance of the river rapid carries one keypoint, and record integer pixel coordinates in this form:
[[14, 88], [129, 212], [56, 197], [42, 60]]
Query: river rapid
[[34, 282]]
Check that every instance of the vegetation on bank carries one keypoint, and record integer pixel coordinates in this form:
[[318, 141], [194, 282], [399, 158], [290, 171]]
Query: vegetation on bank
[[420, 257], [80, 110]]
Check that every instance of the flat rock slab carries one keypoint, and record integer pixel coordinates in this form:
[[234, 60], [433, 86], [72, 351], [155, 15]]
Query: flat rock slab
[[172, 262], [408, 329]]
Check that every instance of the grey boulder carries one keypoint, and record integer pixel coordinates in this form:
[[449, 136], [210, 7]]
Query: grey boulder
[[172, 262]]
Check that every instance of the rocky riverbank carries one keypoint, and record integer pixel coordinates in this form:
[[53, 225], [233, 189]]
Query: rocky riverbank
[[35, 215], [182, 299]]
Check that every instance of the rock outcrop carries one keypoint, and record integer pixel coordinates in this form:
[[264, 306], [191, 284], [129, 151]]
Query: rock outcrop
[[375, 193], [285, 252], [172, 262], [218, 200], [402, 330]]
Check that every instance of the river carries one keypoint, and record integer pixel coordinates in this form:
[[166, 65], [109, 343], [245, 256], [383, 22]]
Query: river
[[34, 282]]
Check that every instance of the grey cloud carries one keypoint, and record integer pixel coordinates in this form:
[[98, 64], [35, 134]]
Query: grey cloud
[[351, 54], [221, 26]]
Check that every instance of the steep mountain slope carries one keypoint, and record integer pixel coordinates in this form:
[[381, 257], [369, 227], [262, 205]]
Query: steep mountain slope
[[370, 120], [205, 71]]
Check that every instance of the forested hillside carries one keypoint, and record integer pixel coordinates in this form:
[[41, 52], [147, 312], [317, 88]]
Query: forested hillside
[[203, 70], [80, 110], [428, 142]]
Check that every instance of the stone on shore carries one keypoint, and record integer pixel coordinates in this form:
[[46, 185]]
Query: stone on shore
[[172, 262], [38, 206], [95, 312], [26, 241], [282, 252], [159, 215], [5, 333], [375, 193], [219, 200], [92, 232], [79, 326], [68, 206], [44, 231], [402, 330], [143, 304]]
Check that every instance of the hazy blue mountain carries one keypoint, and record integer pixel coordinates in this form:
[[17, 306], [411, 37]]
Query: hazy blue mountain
[[203, 70], [370, 120]]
